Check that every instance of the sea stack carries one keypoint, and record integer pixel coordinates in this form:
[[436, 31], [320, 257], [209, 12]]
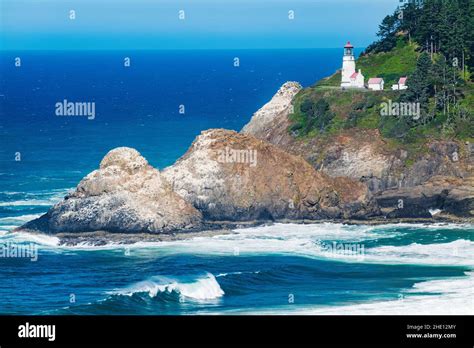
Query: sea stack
[[125, 195]]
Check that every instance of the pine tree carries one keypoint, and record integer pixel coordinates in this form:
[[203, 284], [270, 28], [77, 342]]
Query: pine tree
[[409, 22], [420, 85], [452, 30], [428, 30], [468, 5]]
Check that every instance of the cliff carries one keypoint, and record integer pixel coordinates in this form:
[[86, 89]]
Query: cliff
[[313, 153], [269, 173], [224, 177], [266, 118], [391, 169], [235, 177]]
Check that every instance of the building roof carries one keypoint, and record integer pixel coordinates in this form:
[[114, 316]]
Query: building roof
[[348, 45], [354, 75], [402, 81], [375, 81]]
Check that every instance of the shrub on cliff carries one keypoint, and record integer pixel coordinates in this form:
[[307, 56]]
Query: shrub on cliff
[[317, 115]]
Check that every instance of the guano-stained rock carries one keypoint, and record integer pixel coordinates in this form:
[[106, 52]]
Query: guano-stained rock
[[126, 195]]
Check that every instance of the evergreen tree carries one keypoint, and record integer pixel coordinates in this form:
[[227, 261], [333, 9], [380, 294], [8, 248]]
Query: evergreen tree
[[468, 5], [420, 85], [446, 82], [427, 34], [387, 30], [452, 30], [410, 19], [444, 30], [387, 35]]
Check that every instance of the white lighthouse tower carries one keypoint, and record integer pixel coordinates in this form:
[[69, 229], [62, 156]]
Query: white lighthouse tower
[[349, 77]]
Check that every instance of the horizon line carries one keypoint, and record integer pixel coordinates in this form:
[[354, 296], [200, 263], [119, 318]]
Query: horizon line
[[173, 49]]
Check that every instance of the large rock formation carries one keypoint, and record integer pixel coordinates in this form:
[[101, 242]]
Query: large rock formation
[[276, 110], [440, 195], [125, 195], [363, 155], [224, 176], [231, 176], [258, 175]]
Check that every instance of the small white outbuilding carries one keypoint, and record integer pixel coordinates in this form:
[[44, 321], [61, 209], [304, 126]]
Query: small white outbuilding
[[376, 84], [402, 84]]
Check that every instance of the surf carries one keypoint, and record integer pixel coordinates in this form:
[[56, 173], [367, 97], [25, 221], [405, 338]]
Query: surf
[[202, 288]]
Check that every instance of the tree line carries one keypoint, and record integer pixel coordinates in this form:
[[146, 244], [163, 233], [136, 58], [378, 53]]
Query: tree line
[[444, 33], [438, 26]]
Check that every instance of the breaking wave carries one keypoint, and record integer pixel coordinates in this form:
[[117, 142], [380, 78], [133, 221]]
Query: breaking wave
[[306, 241], [202, 288]]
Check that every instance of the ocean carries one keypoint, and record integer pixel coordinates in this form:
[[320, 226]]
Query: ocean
[[326, 268]]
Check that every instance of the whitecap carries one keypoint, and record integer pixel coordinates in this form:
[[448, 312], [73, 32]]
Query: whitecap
[[305, 240], [18, 220], [202, 288], [310, 241], [451, 296], [456, 253], [36, 198], [22, 237], [29, 202], [235, 273]]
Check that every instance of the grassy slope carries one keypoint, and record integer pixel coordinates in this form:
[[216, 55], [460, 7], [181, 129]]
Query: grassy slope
[[400, 61], [360, 109], [390, 65]]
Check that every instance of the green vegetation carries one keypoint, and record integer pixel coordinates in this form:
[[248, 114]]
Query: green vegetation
[[390, 65], [336, 109], [423, 43], [438, 26], [331, 81]]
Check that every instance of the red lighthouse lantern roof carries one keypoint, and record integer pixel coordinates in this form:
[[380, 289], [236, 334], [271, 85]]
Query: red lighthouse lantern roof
[[348, 45]]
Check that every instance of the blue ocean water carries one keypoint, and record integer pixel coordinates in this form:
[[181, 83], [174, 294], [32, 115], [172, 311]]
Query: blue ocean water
[[277, 269]]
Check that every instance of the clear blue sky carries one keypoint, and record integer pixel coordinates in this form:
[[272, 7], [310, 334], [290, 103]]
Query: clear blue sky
[[214, 24]]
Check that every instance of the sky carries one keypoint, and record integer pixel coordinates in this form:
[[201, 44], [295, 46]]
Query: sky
[[207, 24]]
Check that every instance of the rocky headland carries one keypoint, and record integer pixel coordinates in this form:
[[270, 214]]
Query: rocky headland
[[437, 183], [265, 174]]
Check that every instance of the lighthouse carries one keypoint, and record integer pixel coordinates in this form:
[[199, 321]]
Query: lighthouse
[[349, 77]]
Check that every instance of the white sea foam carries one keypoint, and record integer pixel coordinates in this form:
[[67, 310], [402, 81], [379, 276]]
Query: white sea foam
[[309, 241], [23, 237], [235, 273], [305, 240], [202, 288], [452, 296], [448, 286], [427, 226], [433, 212], [29, 202], [321, 231], [457, 253], [277, 238], [441, 296], [38, 198], [18, 220]]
